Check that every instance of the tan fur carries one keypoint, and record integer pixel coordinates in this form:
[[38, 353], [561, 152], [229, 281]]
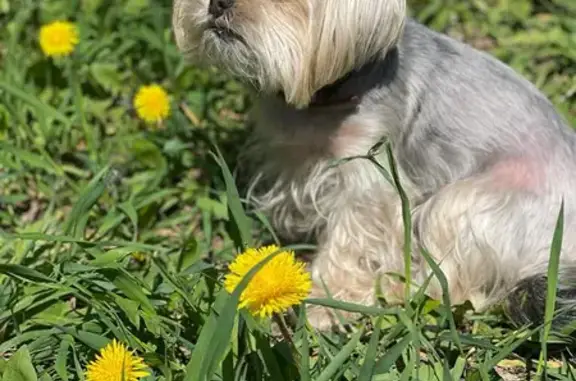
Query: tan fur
[[289, 42]]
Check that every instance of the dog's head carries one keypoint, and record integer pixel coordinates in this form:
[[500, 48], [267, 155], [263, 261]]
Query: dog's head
[[290, 46]]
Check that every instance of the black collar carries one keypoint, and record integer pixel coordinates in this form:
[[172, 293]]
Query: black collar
[[349, 90], [333, 94]]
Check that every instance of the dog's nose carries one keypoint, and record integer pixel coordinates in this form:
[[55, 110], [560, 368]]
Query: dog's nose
[[218, 7]]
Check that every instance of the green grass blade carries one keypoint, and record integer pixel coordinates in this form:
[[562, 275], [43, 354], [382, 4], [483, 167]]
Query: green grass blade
[[44, 109], [352, 307], [26, 337], [133, 291], [341, 357], [392, 354], [445, 297], [60, 365], [304, 349], [264, 221], [267, 353], [459, 368], [67, 239], [507, 349], [552, 287], [78, 217], [130, 211], [34, 160], [406, 221], [24, 273], [408, 372], [94, 341], [367, 370], [240, 220]]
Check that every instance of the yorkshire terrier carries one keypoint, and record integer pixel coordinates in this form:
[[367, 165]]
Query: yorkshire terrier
[[484, 158]]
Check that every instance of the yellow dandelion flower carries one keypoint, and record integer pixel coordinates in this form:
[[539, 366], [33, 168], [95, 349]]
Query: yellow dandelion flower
[[116, 363], [58, 38], [281, 283], [139, 256], [152, 104]]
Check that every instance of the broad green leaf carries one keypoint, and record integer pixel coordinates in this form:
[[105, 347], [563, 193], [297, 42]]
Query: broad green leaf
[[19, 367]]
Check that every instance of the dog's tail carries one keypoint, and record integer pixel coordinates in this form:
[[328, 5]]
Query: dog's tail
[[526, 303]]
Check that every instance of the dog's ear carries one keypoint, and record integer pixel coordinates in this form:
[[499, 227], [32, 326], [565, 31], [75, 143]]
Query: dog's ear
[[345, 35], [285, 50]]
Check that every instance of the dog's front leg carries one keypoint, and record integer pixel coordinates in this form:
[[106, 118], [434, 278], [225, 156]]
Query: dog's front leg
[[360, 245], [337, 283]]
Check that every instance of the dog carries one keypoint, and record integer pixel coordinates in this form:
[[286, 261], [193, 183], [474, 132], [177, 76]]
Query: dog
[[484, 159]]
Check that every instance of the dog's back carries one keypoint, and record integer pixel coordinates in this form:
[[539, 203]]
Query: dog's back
[[466, 110], [489, 147]]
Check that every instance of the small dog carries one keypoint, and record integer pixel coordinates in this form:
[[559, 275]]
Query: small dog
[[485, 160]]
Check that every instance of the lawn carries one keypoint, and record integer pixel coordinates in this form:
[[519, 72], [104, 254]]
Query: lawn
[[114, 227]]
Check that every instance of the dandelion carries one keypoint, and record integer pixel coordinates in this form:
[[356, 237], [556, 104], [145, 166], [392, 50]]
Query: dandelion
[[281, 283], [152, 104], [116, 363], [58, 38], [139, 256]]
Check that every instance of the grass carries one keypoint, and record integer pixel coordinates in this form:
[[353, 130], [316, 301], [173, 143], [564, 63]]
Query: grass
[[112, 228]]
